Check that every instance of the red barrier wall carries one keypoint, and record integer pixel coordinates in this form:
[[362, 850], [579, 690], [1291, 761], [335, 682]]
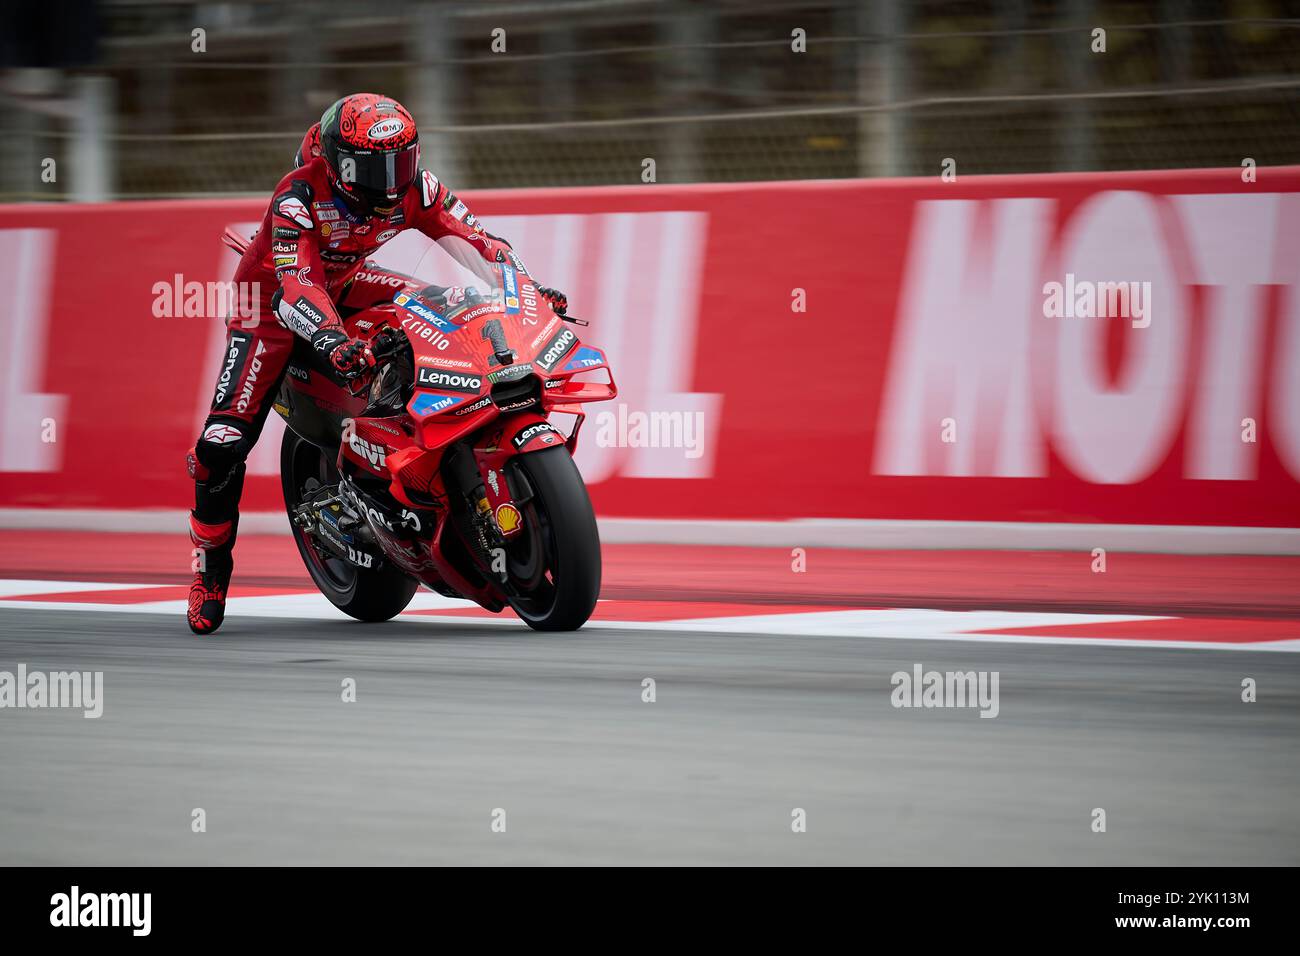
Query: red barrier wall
[[923, 380]]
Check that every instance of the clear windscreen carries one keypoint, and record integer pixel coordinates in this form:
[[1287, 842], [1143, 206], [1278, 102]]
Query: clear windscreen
[[456, 282]]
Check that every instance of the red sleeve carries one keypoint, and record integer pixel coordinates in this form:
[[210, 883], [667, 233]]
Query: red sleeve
[[304, 305]]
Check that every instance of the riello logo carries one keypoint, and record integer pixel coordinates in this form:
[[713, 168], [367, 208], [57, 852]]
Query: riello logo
[[1167, 340]]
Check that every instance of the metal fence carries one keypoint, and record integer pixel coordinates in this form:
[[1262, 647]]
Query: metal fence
[[583, 92]]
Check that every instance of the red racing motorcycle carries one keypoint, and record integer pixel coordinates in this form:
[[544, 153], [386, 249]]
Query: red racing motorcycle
[[441, 467]]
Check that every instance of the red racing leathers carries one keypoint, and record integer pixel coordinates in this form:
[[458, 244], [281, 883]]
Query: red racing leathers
[[308, 260]]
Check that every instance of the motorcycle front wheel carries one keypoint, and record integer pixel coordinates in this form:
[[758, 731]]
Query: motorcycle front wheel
[[554, 563]]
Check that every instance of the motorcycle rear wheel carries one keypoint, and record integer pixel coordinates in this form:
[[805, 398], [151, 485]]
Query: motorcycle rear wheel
[[367, 595]]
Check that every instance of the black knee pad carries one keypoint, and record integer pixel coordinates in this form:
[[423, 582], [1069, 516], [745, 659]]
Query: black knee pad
[[223, 446]]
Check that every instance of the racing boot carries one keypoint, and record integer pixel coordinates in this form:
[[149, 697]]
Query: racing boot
[[213, 564], [214, 523]]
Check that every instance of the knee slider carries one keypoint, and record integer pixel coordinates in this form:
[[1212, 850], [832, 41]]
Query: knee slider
[[222, 447]]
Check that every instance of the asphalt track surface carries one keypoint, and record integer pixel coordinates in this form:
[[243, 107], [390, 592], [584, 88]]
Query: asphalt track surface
[[454, 720]]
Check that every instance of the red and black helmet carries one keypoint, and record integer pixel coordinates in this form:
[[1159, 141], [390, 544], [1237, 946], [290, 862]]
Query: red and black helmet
[[372, 149]]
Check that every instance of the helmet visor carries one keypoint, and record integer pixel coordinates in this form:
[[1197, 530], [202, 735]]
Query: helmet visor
[[387, 173]]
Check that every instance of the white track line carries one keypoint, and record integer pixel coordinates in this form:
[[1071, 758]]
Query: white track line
[[886, 623], [852, 533]]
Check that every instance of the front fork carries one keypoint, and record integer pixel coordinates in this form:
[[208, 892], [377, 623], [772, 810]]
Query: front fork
[[519, 434], [498, 516]]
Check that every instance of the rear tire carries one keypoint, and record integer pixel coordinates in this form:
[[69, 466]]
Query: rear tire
[[561, 518], [367, 595]]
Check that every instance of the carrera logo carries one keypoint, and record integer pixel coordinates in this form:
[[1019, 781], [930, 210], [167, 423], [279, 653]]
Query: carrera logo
[[373, 455], [558, 347], [386, 129], [541, 430], [450, 381], [292, 208], [481, 403]]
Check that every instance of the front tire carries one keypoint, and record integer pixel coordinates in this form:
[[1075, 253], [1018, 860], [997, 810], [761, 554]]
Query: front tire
[[367, 595], [562, 536]]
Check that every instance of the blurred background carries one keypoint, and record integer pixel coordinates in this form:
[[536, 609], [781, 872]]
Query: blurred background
[[132, 103]]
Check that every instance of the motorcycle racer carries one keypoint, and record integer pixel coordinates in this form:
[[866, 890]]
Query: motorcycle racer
[[356, 184]]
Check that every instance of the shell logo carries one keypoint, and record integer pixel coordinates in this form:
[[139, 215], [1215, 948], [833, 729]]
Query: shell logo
[[508, 518]]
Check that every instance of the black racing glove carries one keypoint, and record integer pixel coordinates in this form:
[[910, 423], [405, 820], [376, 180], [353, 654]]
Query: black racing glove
[[350, 358], [557, 299]]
